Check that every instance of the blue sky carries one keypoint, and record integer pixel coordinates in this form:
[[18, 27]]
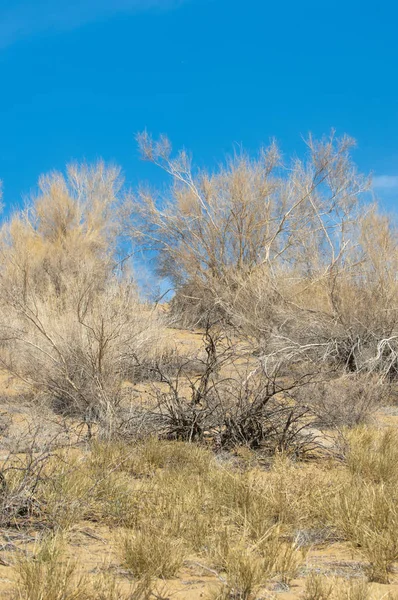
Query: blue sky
[[80, 78]]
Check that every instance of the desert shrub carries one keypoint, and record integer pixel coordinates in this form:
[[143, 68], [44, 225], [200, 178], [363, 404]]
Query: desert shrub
[[240, 217], [234, 402], [24, 471], [70, 324], [253, 414], [289, 257], [18, 500], [258, 414], [75, 356]]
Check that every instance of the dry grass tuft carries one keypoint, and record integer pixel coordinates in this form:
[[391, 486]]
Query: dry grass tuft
[[369, 521], [49, 575], [152, 552], [317, 587], [373, 454]]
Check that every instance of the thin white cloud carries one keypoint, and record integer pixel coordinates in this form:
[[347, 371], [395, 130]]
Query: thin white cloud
[[20, 19], [385, 183]]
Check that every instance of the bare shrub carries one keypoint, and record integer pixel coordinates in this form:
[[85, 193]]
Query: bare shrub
[[234, 402], [77, 356], [23, 472], [343, 317], [192, 305], [258, 413], [250, 213]]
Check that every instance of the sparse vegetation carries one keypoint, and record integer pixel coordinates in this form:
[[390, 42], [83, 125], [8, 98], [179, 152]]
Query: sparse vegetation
[[238, 452]]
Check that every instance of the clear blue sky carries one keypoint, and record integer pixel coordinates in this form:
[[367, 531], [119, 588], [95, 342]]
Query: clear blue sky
[[79, 78]]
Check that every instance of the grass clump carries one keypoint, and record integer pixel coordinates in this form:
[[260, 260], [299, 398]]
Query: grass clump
[[77, 489], [145, 458], [317, 587], [106, 587], [49, 575], [373, 454], [369, 521], [150, 552], [245, 571]]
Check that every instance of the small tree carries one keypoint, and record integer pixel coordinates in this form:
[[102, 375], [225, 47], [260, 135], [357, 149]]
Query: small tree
[[285, 253]]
